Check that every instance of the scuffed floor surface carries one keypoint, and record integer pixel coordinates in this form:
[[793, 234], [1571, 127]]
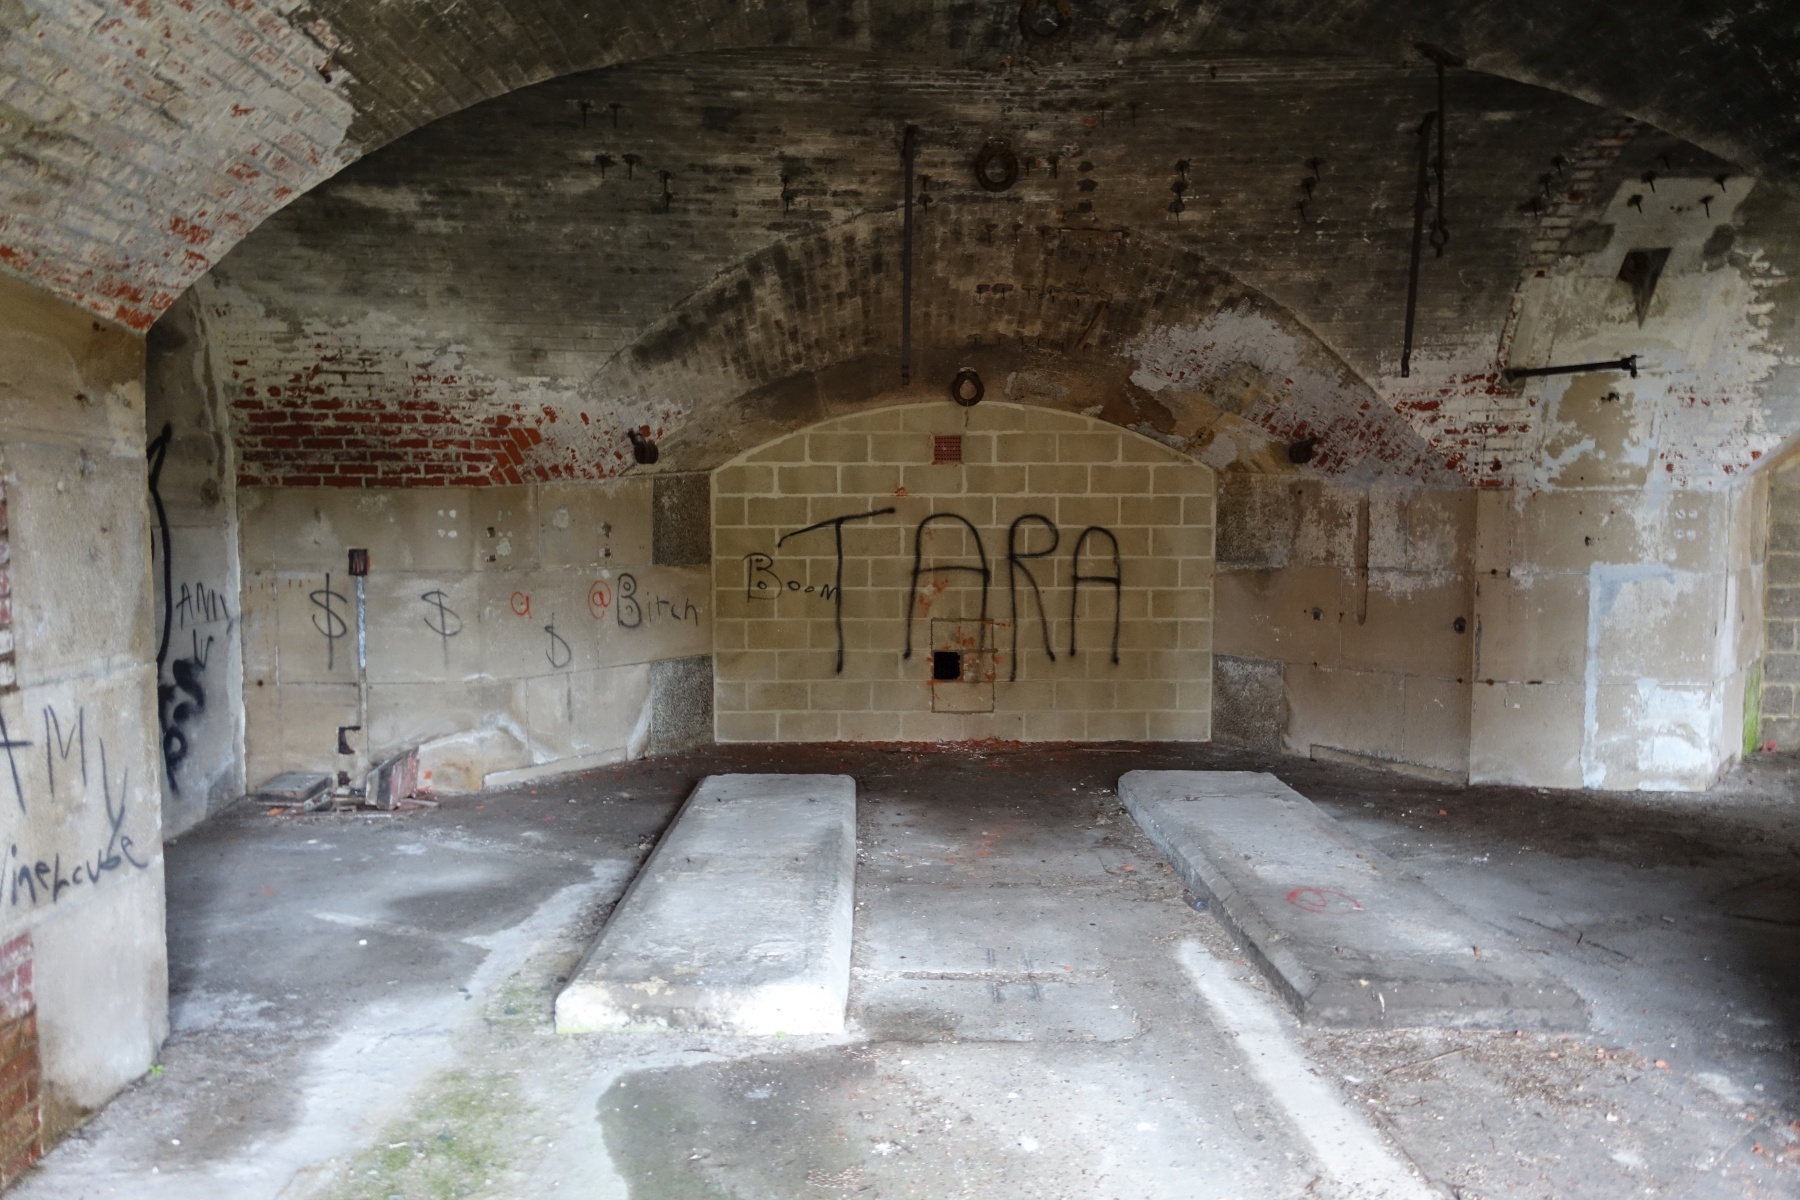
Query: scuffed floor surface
[[361, 1005]]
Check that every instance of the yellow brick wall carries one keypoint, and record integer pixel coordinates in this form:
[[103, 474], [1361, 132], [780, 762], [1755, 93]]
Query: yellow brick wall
[[781, 629]]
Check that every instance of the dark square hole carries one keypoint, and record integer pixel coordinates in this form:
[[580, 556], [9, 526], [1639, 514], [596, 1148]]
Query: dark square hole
[[946, 665]]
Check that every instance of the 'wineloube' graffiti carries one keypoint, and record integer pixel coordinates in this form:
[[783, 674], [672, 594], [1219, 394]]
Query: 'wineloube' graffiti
[[1094, 560], [31, 879]]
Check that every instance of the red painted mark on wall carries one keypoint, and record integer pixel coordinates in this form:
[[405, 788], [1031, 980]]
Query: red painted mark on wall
[[521, 604], [1323, 900], [599, 598]]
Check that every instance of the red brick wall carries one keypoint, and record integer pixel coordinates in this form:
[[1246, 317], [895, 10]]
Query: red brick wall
[[332, 428], [21, 1081]]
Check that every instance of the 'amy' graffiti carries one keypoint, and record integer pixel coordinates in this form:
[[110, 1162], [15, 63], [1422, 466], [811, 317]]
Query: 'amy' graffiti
[[202, 614], [32, 879], [1031, 539]]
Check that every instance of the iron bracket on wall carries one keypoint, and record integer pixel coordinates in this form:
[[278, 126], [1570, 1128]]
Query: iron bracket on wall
[[1442, 59], [909, 149], [1628, 363], [1421, 190]]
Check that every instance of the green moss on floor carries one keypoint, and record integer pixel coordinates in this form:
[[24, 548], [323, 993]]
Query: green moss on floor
[[448, 1148]]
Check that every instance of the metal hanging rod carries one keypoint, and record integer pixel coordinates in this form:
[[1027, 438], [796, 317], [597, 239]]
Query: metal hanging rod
[[1628, 363]]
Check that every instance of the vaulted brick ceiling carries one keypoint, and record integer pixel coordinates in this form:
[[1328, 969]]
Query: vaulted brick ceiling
[[707, 246], [139, 142]]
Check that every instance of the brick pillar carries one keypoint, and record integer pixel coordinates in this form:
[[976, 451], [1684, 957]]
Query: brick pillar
[[21, 1079]]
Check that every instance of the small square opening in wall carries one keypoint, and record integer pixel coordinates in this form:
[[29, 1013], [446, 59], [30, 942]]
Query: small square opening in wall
[[946, 665], [946, 448]]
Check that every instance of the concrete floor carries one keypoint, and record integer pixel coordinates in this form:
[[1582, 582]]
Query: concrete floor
[[361, 1004]]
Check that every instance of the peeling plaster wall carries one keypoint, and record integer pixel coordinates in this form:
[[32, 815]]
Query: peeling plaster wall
[[1619, 588], [1617, 630], [510, 631], [1345, 603], [78, 718]]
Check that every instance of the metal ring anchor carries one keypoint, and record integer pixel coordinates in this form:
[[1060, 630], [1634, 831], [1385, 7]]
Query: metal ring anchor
[[967, 389]]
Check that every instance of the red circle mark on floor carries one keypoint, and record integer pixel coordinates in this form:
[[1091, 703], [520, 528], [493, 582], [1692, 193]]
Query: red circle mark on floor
[[1323, 900]]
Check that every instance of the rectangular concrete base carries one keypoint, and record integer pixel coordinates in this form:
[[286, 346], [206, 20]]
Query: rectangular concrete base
[[740, 921], [1344, 932]]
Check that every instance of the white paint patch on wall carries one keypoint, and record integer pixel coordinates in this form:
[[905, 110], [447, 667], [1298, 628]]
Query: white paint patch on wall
[[1664, 732], [1288, 388], [1694, 413]]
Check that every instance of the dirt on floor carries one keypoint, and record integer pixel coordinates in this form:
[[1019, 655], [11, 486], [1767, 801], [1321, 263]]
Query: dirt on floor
[[362, 1002]]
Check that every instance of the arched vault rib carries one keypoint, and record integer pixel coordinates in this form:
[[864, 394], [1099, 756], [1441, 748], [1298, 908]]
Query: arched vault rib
[[142, 141], [1133, 330]]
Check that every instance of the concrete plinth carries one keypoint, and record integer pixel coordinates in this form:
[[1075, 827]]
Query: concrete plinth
[[740, 921], [1348, 936]]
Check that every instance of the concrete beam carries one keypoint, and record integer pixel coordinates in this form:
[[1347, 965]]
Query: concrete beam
[[740, 921], [1346, 934]]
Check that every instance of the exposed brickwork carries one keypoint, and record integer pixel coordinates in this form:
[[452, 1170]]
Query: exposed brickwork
[[145, 139], [587, 302], [21, 1104], [807, 306], [1486, 428], [341, 429], [160, 131]]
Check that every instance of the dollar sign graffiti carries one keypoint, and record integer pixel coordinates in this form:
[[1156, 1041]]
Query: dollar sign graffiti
[[447, 624], [557, 651], [334, 626]]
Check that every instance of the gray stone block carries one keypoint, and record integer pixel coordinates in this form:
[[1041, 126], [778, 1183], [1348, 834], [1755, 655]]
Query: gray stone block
[[681, 520], [1348, 936], [1781, 668], [1783, 731], [681, 703], [1249, 702]]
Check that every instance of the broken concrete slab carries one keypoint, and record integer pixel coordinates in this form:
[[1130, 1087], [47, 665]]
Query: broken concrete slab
[[1348, 936], [304, 790], [740, 921]]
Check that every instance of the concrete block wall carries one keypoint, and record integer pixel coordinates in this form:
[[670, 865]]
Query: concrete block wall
[[509, 630], [1779, 724], [812, 644], [83, 871], [1344, 621]]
